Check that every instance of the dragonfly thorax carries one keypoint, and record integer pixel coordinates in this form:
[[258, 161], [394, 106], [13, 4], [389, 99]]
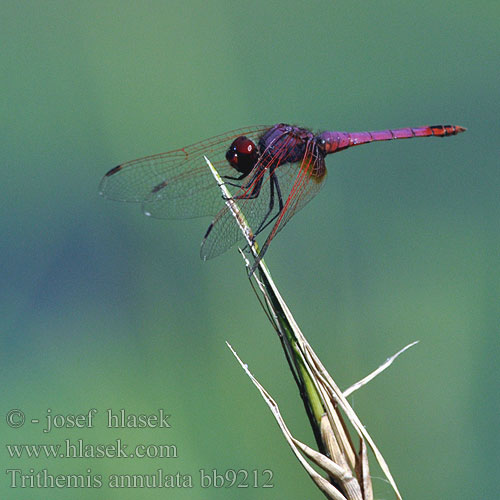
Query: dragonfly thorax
[[285, 143]]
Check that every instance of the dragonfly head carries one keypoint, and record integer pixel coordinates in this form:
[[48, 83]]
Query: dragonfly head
[[243, 154]]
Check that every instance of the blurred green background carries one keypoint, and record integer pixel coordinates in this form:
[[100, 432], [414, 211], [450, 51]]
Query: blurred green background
[[103, 308]]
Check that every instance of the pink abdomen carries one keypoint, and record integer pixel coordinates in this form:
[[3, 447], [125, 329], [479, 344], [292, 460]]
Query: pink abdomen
[[337, 141]]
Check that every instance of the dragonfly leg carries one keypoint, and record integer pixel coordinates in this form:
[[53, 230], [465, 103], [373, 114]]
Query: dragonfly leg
[[274, 182], [270, 207], [247, 196], [268, 240], [228, 177], [278, 190], [232, 184], [241, 177], [255, 190], [264, 224]]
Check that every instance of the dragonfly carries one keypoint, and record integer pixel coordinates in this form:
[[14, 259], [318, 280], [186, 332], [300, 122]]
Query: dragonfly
[[274, 172]]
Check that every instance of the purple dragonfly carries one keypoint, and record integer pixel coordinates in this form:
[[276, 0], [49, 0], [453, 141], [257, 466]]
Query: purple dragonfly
[[275, 170]]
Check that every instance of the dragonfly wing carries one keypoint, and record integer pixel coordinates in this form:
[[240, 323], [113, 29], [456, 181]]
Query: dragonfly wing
[[224, 231], [307, 183], [177, 184], [297, 183]]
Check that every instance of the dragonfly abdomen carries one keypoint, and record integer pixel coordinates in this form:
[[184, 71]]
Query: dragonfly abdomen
[[332, 142]]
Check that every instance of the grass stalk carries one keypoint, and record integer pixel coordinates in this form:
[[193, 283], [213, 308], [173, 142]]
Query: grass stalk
[[326, 405]]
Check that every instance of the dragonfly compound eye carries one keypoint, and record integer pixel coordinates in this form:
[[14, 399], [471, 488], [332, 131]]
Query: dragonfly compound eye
[[242, 154]]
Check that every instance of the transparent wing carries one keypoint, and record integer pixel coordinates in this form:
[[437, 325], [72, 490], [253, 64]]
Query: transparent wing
[[308, 182], [297, 183], [177, 184]]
